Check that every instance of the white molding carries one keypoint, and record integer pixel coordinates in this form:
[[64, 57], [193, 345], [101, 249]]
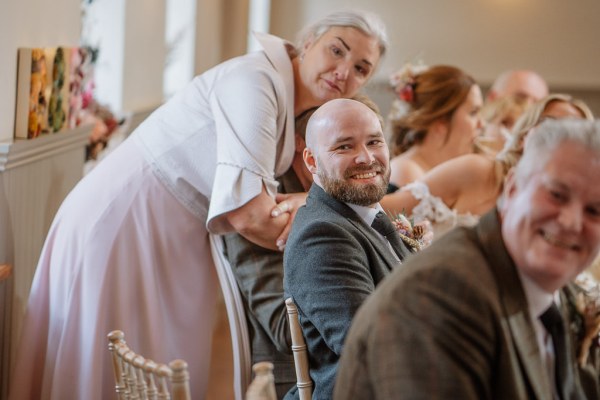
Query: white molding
[[20, 152]]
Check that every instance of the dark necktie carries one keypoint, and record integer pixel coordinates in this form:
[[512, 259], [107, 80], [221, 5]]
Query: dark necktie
[[386, 228], [563, 370]]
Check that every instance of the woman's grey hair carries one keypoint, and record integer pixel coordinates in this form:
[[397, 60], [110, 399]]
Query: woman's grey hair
[[549, 135], [368, 23]]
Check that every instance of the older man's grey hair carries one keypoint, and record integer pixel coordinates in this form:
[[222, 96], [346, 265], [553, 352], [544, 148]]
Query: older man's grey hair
[[549, 135], [368, 23]]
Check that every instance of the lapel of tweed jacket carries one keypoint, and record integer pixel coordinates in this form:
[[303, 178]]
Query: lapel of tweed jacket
[[346, 212], [515, 321]]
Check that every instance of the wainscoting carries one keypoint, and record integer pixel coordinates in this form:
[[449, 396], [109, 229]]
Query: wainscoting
[[35, 177]]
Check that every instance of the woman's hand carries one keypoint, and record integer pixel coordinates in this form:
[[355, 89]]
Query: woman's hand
[[255, 222], [287, 203]]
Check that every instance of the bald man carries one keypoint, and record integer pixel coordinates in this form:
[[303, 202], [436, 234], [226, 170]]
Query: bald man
[[522, 84], [334, 259]]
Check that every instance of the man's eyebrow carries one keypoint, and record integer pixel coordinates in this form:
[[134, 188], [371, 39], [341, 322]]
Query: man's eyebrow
[[347, 138], [343, 139]]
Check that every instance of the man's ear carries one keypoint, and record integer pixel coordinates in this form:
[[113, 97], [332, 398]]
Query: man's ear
[[299, 143], [309, 160]]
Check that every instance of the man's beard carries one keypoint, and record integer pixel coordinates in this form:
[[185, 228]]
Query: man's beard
[[361, 194]]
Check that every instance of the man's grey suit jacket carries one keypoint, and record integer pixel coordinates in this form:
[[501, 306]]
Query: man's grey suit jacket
[[332, 262], [453, 323]]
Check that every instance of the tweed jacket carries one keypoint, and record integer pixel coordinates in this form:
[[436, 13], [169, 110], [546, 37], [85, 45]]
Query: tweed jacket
[[332, 262], [453, 323]]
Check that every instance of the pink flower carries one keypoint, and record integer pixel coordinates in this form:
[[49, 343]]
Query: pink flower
[[407, 93]]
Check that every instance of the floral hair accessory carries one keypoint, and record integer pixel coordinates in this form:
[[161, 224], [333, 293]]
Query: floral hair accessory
[[403, 80], [417, 236]]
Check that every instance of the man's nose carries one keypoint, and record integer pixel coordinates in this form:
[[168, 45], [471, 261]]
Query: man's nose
[[364, 156], [571, 216]]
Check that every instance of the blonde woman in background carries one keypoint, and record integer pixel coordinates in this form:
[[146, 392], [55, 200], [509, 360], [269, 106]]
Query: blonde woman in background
[[500, 116], [458, 191]]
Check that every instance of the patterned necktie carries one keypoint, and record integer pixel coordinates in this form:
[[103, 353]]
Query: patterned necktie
[[563, 370], [386, 228]]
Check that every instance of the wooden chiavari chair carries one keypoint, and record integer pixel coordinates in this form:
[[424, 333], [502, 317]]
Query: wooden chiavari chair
[[139, 378], [303, 381]]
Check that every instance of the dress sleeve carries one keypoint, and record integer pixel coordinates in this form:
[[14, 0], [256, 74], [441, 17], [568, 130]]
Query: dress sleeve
[[249, 111]]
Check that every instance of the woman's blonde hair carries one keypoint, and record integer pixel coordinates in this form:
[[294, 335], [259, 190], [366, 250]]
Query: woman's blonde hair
[[512, 151]]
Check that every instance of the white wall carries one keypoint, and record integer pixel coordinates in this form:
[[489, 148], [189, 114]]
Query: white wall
[[144, 54], [30, 23], [130, 67], [557, 38]]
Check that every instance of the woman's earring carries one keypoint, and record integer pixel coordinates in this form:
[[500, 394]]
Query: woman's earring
[[301, 58]]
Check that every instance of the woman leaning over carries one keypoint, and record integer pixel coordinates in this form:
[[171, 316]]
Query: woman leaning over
[[129, 247]]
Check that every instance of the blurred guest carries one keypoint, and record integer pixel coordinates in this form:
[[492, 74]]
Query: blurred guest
[[435, 118], [500, 116], [480, 315], [341, 245], [520, 83]]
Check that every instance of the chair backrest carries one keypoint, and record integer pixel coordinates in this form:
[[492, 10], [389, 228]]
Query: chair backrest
[[240, 338], [303, 381], [139, 378], [262, 386]]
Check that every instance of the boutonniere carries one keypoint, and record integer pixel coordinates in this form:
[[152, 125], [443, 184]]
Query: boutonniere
[[417, 236], [586, 323]]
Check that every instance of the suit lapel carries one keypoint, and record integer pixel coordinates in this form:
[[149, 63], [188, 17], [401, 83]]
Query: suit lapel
[[516, 320], [380, 244]]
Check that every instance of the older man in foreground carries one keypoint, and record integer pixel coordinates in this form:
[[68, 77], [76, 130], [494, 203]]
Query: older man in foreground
[[480, 314]]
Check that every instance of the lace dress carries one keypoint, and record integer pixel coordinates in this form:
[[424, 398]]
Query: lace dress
[[433, 209]]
